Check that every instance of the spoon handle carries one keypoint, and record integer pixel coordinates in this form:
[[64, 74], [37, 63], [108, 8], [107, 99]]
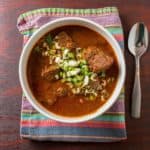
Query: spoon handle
[[136, 94]]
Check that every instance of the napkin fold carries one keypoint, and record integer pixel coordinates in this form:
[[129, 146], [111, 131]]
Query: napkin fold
[[109, 127]]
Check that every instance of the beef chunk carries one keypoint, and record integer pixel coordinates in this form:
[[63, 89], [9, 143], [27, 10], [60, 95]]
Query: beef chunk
[[58, 90], [97, 59], [54, 92], [64, 40], [49, 72]]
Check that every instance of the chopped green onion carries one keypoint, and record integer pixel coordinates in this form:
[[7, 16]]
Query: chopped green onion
[[78, 84], [74, 80], [65, 68], [70, 68], [84, 67], [90, 73], [83, 62], [86, 72], [73, 72], [61, 74], [79, 77], [49, 39], [71, 55], [68, 79]]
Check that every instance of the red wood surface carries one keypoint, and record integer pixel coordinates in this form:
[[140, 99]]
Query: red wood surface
[[131, 11]]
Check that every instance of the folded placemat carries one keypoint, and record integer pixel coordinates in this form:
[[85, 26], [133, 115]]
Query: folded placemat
[[110, 126]]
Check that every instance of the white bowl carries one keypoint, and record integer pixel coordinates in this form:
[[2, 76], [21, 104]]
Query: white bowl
[[55, 24]]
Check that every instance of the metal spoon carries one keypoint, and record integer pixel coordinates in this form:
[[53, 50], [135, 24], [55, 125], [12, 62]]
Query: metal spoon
[[137, 44]]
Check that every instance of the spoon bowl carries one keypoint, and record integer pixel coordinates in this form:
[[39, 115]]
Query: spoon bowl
[[138, 39]]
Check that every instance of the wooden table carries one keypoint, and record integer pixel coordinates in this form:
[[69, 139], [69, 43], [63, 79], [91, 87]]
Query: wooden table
[[131, 11]]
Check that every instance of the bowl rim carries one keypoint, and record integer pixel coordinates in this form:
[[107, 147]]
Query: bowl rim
[[24, 60]]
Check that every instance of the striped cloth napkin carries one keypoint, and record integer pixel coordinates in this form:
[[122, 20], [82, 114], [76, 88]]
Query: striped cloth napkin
[[110, 126]]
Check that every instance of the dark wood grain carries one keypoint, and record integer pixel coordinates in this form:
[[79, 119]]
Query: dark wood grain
[[131, 11]]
